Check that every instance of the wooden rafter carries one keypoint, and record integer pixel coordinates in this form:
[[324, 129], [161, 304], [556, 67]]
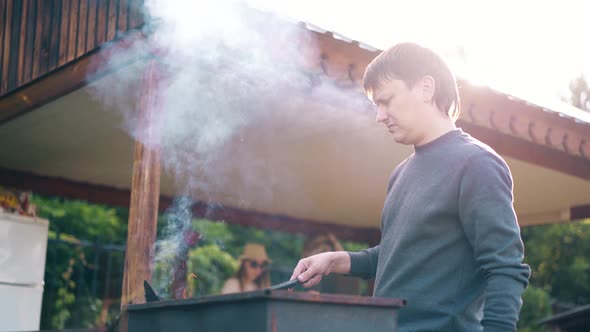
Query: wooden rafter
[[98, 194], [64, 80], [524, 150]]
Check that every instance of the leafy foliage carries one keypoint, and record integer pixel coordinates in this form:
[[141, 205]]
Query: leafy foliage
[[67, 301], [83, 220], [214, 260], [283, 248], [559, 256], [536, 306], [209, 267]]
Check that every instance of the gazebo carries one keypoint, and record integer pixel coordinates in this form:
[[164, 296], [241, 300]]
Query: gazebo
[[59, 140]]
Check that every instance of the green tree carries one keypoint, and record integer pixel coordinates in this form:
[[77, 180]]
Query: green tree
[[83, 220], [209, 264], [283, 248], [65, 302], [209, 267], [536, 306], [559, 256]]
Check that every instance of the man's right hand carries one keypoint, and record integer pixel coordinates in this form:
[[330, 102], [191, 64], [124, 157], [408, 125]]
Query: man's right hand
[[310, 270]]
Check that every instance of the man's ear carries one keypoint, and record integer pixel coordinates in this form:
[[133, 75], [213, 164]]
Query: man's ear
[[428, 88]]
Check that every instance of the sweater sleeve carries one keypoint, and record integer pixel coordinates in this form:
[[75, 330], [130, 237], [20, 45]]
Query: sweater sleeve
[[363, 264], [489, 222]]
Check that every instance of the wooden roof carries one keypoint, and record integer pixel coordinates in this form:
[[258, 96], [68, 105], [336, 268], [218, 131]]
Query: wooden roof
[[44, 72], [514, 127]]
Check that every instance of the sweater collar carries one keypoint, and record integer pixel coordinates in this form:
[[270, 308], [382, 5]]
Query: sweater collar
[[439, 141]]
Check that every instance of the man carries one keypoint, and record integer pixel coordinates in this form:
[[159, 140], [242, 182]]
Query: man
[[450, 242]]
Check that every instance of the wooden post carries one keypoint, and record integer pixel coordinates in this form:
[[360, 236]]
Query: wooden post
[[145, 193]]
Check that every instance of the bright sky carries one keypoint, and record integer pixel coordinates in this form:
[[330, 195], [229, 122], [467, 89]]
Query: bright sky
[[530, 49]]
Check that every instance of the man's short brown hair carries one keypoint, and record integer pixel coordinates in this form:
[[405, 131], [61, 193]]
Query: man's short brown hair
[[410, 62]]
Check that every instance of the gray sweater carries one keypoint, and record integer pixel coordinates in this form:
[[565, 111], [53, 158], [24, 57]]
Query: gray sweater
[[450, 242]]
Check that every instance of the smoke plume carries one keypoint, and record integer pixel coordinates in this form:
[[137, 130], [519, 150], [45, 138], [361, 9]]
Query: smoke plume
[[228, 73]]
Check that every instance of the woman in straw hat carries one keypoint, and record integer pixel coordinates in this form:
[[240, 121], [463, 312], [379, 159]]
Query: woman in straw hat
[[253, 273]]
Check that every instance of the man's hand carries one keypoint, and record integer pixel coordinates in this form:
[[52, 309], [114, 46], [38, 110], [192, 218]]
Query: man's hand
[[310, 270]]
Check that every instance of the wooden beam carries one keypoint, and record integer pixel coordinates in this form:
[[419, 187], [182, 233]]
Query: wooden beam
[[145, 190], [65, 79], [580, 212], [530, 152], [284, 223], [110, 196]]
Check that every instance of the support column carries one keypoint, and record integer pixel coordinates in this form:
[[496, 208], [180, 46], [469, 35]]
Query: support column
[[145, 193]]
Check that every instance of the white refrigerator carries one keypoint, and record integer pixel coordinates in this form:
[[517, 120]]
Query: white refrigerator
[[23, 246]]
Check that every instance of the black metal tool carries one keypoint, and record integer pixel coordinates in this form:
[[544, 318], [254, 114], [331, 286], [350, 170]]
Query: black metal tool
[[285, 285], [150, 293]]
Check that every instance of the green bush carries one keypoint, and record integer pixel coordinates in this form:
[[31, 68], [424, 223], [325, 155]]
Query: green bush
[[536, 306]]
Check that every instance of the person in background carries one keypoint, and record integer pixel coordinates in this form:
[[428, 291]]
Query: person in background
[[253, 273], [321, 243], [333, 283]]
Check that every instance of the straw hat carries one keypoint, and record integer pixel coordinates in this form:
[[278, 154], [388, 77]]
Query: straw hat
[[255, 251]]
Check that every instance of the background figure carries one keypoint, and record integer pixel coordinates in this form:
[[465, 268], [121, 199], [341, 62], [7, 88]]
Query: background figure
[[321, 243], [333, 283], [253, 273]]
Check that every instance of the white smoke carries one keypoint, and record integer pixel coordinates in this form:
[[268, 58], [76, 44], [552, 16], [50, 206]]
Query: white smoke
[[172, 246], [226, 69]]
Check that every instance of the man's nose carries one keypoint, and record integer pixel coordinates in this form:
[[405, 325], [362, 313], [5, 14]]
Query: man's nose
[[381, 115]]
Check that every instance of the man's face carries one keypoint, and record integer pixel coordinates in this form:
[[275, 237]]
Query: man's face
[[400, 109]]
